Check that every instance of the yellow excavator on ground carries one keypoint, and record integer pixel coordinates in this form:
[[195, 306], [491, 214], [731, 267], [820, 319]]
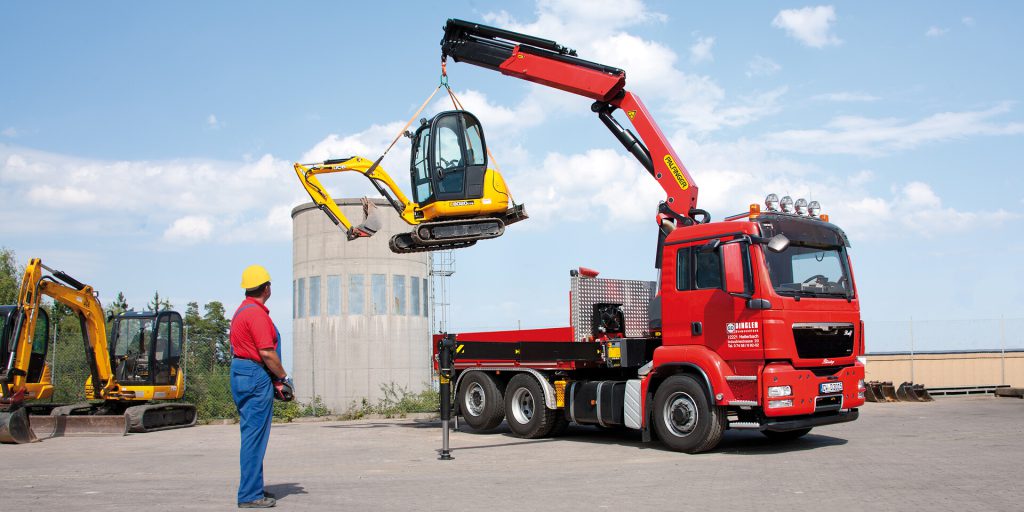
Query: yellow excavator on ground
[[456, 199], [140, 364]]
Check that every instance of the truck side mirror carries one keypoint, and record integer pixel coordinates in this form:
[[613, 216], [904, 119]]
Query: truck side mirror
[[778, 243], [732, 264]]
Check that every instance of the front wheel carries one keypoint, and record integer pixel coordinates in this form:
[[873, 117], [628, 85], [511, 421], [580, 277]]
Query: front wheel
[[684, 419], [525, 411]]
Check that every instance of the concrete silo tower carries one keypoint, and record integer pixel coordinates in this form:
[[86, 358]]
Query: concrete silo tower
[[360, 312]]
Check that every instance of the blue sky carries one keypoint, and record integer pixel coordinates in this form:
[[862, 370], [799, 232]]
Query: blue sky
[[147, 146]]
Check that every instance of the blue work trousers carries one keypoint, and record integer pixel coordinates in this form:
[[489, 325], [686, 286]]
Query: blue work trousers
[[254, 396]]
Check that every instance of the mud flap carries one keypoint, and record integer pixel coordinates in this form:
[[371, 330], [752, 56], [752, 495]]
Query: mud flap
[[15, 427]]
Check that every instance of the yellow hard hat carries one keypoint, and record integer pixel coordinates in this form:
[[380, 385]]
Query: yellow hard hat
[[253, 276]]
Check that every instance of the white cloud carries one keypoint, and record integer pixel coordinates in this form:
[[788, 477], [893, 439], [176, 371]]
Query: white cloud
[[692, 100], [845, 97], [212, 122], [189, 230], [936, 31], [857, 135], [762, 66], [701, 50], [189, 201], [968, 21], [811, 26], [10, 131]]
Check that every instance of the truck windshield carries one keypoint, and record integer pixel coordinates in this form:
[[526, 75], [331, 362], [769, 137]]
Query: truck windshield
[[810, 271]]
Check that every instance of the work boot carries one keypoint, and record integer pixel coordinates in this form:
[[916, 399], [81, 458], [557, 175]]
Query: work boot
[[263, 502], [267, 494]]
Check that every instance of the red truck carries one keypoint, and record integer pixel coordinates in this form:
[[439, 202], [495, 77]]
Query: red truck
[[753, 322]]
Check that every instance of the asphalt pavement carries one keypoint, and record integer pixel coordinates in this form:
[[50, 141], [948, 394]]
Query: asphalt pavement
[[957, 453]]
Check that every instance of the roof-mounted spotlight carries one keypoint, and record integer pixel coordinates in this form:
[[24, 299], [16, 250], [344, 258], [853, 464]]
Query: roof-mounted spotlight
[[786, 203], [772, 202]]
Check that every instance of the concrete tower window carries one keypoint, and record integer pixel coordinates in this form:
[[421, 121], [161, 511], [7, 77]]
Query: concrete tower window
[[426, 297], [398, 292], [295, 301], [379, 294], [333, 295], [314, 296], [300, 301], [414, 296], [356, 294]]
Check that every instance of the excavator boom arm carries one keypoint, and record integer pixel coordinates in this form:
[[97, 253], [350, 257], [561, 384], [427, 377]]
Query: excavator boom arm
[[381, 180], [547, 63]]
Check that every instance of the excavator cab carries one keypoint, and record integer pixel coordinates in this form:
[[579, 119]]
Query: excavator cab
[[145, 348], [449, 159], [37, 380]]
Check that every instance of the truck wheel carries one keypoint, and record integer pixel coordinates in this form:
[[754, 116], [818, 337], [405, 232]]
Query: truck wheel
[[525, 410], [480, 401], [788, 435], [683, 418]]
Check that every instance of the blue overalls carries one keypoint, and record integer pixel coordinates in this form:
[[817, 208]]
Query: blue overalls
[[253, 392]]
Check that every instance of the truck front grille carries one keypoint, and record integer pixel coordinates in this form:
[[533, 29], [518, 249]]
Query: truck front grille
[[823, 340]]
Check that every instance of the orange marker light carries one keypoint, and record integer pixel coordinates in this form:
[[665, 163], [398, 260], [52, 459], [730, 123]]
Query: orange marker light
[[824, 217], [755, 210]]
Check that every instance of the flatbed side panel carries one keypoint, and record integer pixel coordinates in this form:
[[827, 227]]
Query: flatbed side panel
[[522, 335], [556, 354]]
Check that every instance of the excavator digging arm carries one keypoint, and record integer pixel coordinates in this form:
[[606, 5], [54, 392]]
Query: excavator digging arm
[[380, 179], [548, 63]]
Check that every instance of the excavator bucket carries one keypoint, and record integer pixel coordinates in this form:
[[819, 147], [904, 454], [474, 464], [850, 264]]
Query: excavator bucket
[[869, 393], [906, 393], [372, 221], [922, 393], [15, 427], [889, 392]]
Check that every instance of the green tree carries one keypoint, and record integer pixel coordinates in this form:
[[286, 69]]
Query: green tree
[[120, 305], [10, 276], [158, 304]]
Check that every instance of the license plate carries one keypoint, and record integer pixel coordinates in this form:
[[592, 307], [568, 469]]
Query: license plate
[[831, 387]]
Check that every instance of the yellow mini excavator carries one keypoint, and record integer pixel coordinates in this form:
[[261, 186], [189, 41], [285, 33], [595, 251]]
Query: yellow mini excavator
[[140, 364], [456, 199]]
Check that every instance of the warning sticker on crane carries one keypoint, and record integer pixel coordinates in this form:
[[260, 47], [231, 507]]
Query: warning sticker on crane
[[631, 114], [677, 173], [743, 334]]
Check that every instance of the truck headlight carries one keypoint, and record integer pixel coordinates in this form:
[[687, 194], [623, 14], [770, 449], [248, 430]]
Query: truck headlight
[[780, 391], [775, 404]]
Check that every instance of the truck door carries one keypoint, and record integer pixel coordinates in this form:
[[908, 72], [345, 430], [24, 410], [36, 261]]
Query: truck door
[[699, 311]]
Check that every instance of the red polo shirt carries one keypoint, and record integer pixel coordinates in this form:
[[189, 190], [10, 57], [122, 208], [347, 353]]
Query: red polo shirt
[[252, 330]]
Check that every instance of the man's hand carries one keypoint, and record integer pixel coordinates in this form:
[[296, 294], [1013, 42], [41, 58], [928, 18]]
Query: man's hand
[[284, 390]]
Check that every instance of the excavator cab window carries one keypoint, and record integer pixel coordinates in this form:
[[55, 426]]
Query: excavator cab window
[[7, 314], [37, 361], [167, 350], [449, 158], [132, 343]]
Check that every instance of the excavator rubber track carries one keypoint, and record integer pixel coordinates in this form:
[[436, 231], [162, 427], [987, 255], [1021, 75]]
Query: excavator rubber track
[[455, 234], [154, 417], [15, 427]]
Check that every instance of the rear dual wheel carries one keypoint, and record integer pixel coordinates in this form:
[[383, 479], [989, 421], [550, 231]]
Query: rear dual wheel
[[481, 401], [525, 409]]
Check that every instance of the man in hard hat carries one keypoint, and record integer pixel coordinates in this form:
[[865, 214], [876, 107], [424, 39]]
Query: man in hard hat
[[257, 377]]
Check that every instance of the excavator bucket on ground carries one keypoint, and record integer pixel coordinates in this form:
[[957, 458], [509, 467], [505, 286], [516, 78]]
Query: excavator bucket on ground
[[869, 393], [906, 393], [15, 427], [922, 393], [889, 392]]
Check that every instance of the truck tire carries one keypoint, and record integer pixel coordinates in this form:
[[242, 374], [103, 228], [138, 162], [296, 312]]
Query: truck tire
[[525, 411], [788, 435], [480, 401], [683, 418]]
